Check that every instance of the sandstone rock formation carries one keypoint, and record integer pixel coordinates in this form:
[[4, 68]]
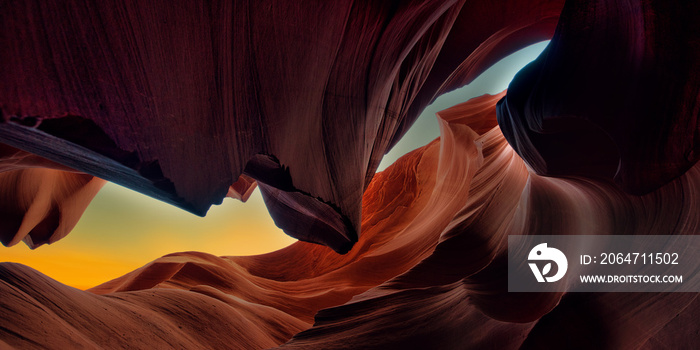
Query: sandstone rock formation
[[199, 100], [179, 101]]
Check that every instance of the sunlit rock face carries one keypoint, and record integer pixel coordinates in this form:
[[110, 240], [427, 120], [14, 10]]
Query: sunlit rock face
[[429, 270], [177, 101], [41, 201], [302, 100], [189, 299]]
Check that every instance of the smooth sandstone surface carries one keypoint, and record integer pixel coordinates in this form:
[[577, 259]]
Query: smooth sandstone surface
[[178, 101], [429, 271], [196, 101]]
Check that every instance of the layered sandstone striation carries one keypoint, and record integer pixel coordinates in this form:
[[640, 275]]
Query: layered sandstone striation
[[178, 102], [195, 101], [430, 269]]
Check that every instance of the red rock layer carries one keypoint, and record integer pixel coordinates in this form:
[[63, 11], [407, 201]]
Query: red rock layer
[[41, 201], [286, 288], [179, 101], [242, 189], [456, 297], [305, 97], [430, 270]]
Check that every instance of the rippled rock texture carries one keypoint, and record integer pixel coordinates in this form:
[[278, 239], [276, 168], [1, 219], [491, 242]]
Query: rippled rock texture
[[430, 269], [600, 134], [179, 101]]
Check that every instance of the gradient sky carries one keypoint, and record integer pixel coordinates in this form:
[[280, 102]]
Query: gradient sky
[[122, 230], [492, 81]]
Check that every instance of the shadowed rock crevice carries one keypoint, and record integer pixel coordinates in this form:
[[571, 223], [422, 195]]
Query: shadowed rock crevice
[[78, 143], [299, 214], [617, 88], [179, 98]]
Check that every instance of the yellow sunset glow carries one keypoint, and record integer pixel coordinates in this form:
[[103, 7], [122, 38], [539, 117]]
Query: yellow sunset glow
[[123, 230]]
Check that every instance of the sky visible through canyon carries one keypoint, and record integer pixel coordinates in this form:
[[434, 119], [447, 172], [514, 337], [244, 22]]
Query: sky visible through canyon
[[122, 230]]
